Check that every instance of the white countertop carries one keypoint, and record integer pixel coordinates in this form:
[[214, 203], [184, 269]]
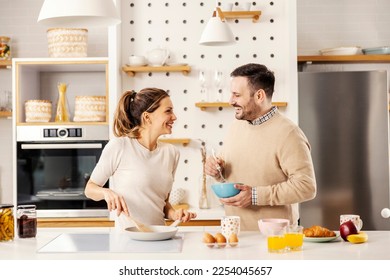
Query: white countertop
[[252, 246]]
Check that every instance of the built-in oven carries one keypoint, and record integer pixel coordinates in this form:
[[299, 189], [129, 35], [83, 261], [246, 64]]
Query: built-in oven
[[53, 167]]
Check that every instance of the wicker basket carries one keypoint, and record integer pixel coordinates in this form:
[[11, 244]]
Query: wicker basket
[[90, 109], [67, 42], [38, 110]]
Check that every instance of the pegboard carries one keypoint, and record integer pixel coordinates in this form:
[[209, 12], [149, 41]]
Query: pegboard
[[177, 26]]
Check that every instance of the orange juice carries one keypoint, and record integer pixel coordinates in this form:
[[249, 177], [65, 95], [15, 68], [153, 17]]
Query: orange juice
[[276, 243], [294, 240]]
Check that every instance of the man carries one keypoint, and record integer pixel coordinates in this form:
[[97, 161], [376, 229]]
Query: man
[[265, 152]]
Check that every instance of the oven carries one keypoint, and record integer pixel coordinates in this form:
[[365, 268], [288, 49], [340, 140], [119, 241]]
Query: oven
[[53, 167]]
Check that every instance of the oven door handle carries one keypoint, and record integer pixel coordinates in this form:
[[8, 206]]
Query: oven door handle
[[62, 146]]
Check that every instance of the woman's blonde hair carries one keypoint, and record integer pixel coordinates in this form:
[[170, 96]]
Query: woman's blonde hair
[[131, 106]]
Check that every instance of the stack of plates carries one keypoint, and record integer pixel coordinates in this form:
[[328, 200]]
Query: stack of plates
[[379, 50]]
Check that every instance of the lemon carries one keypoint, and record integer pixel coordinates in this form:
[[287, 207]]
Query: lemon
[[360, 237]]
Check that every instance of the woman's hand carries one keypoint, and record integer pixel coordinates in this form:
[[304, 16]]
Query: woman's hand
[[115, 202], [183, 215]]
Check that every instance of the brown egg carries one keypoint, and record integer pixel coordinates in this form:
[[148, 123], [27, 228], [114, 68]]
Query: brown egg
[[233, 240], [221, 240], [208, 239]]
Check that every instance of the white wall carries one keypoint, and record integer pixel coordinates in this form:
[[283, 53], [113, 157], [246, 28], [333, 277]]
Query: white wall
[[337, 23]]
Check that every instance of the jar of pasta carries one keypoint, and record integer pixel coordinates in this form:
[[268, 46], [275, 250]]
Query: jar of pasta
[[7, 232], [5, 49]]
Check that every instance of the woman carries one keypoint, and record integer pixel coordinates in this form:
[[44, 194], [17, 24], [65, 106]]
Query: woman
[[142, 169]]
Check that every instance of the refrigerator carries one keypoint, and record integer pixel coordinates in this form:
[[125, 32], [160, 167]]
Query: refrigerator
[[345, 117]]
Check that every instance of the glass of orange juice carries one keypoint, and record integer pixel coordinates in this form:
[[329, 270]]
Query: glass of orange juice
[[276, 240], [294, 237]]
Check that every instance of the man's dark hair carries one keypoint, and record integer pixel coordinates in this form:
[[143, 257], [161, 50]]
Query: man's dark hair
[[259, 77]]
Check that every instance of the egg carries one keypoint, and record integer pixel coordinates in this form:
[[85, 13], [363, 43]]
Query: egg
[[208, 239], [221, 240], [233, 240]]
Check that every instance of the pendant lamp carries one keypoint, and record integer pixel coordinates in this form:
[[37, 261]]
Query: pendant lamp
[[217, 31], [76, 13]]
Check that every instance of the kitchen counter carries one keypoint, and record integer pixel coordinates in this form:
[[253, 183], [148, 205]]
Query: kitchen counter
[[252, 246]]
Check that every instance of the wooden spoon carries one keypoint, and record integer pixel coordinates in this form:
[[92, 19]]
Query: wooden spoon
[[140, 226]]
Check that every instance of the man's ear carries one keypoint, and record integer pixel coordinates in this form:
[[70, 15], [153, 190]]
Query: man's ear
[[260, 95]]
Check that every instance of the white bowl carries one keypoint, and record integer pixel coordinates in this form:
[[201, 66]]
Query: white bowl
[[341, 51], [267, 225], [137, 60]]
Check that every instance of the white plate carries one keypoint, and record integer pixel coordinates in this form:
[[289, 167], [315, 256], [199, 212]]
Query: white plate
[[341, 51], [321, 239], [159, 233], [176, 64]]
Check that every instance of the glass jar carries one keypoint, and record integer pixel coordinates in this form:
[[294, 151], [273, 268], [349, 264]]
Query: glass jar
[[7, 232], [5, 49], [27, 221]]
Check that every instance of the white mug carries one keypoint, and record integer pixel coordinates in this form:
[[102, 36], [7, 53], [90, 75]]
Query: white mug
[[354, 218]]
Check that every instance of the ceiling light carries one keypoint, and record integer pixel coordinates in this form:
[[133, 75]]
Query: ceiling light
[[78, 13], [217, 31]]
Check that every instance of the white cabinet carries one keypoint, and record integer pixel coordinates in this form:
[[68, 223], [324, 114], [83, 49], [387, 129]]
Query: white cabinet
[[37, 79]]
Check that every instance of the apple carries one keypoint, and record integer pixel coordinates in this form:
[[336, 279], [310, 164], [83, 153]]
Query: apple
[[347, 228]]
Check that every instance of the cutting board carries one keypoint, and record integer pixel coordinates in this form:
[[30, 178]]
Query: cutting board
[[109, 242]]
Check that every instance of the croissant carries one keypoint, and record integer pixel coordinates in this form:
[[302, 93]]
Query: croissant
[[318, 231]]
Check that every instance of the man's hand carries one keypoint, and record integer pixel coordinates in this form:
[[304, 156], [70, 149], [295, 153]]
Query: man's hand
[[242, 199]]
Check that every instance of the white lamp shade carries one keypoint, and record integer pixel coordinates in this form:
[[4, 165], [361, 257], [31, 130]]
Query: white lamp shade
[[217, 33], [78, 13]]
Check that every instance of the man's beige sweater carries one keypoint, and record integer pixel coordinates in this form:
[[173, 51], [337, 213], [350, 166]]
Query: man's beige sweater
[[274, 157]]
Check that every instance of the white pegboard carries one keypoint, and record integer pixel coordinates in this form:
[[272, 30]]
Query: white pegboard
[[177, 26]]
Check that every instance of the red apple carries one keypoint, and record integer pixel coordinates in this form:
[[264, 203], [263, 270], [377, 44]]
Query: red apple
[[347, 228]]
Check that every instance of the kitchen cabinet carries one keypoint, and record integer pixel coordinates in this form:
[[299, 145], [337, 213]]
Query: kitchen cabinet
[[5, 64], [204, 105], [106, 222], [132, 70], [37, 79], [316, 59]]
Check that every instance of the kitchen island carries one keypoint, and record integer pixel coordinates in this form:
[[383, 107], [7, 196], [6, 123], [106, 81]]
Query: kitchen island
[[252, 246]]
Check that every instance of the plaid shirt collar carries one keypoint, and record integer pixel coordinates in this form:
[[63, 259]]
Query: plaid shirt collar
[[265, 117]]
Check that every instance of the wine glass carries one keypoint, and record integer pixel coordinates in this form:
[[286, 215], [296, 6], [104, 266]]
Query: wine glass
[[218, 79], [203, 86]]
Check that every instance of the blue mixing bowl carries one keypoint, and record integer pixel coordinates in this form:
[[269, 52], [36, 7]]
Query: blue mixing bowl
[[223, 190]]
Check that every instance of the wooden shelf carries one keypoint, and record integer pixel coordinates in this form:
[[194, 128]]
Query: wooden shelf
[[383, 58], [131, 70], [60, 123], [204, 105], [5, 114], [254, 15], [7, 63], [183, 141]]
